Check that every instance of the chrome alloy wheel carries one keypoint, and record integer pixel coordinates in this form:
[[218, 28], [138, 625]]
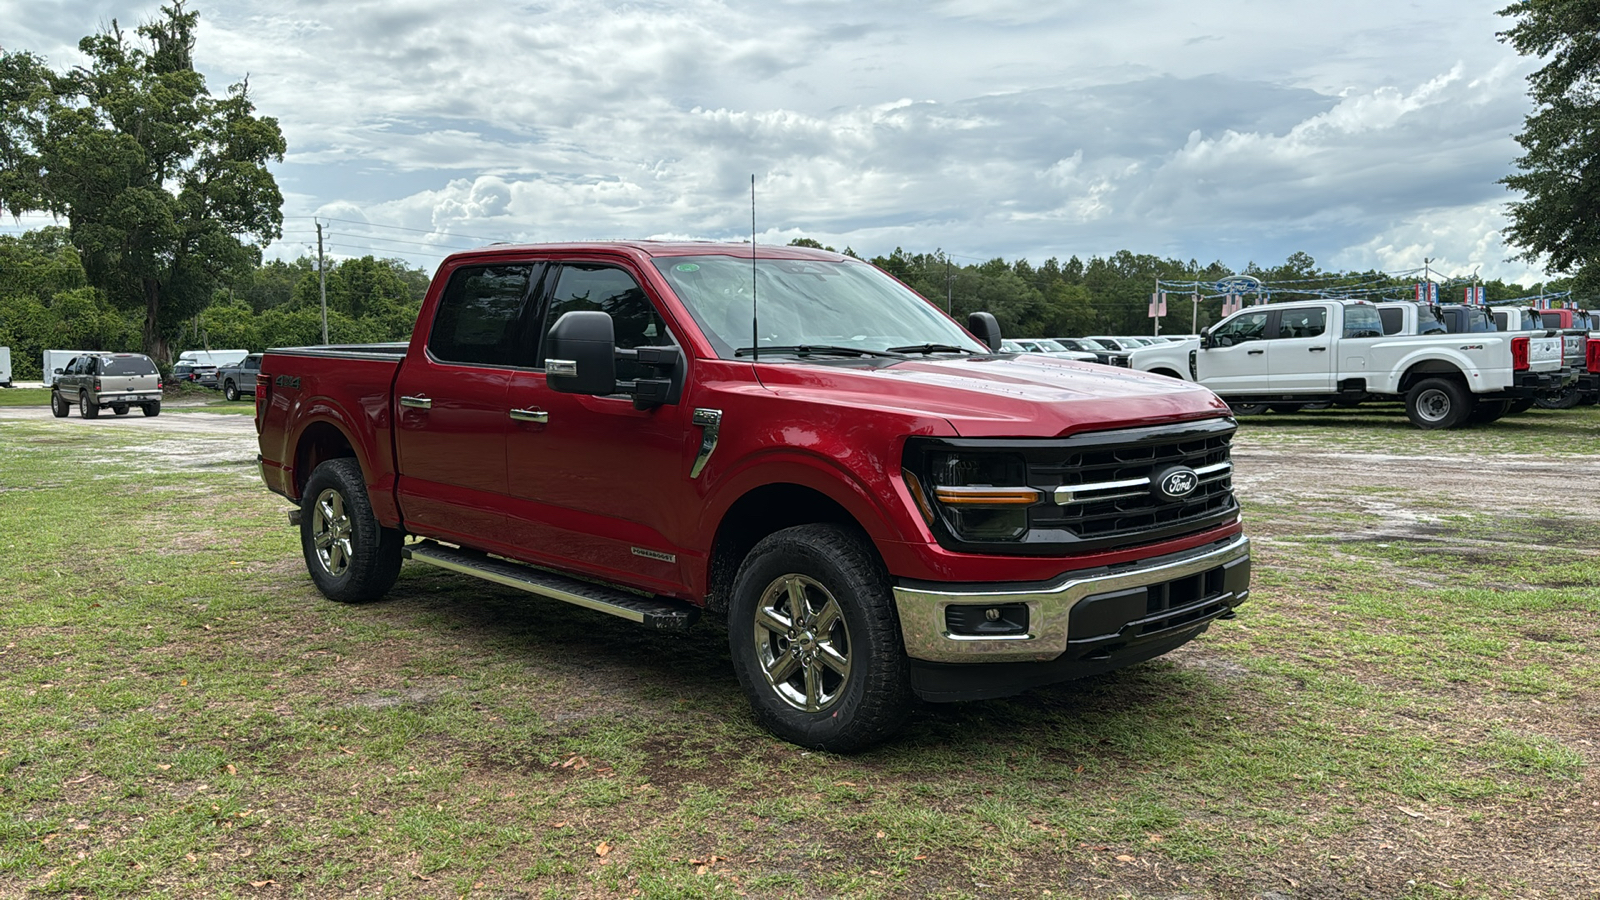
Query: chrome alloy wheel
[[1433, 405], [330, 532], [802, 643]]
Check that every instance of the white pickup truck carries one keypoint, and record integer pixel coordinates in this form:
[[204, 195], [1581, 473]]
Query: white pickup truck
[[1335, 350]]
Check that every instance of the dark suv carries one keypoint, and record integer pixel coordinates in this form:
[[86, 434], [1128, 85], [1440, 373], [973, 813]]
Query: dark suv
[[96, 381]]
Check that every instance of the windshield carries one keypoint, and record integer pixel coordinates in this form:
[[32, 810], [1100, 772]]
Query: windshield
[[1051, 346], [1086, 344], [843, 305]]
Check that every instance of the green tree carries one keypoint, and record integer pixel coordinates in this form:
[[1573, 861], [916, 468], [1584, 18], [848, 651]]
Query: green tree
[[1559, 176], [165, 187]]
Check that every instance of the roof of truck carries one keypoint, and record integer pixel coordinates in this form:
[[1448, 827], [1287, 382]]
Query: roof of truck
[[651, 249]]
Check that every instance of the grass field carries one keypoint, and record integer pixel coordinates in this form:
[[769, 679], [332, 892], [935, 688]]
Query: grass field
[[1407, 707]]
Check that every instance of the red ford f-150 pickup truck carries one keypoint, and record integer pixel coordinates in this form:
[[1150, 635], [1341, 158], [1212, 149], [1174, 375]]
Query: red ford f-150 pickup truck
[[880, 505]]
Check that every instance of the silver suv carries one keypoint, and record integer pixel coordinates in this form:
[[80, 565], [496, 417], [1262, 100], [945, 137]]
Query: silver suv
[[95, 381]]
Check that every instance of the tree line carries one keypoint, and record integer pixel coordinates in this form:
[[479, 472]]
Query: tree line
[[48, 300], [169, 200]]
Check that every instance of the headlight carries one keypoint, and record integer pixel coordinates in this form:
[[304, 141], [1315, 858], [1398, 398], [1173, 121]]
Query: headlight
[[984, 496]]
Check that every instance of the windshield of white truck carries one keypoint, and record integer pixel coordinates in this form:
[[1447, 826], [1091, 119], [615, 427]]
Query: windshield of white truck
[[808, 307]]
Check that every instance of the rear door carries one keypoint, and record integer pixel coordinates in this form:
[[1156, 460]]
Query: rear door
[[1300, 354], [450, 405], [594, 480]]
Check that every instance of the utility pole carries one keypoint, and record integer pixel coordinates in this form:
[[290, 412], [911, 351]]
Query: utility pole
[[322, 283]]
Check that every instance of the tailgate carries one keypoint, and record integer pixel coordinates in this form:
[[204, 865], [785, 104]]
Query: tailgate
[[1544, 354]]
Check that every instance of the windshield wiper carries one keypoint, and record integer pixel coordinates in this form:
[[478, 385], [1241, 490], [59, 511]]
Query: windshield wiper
[[930, 348], [819, 349]]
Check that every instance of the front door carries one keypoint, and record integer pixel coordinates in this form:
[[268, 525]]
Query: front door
[[595, 482], [450, 407], [1236, 360]]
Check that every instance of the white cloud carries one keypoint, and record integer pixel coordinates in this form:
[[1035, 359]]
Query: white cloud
[[1237, 130]]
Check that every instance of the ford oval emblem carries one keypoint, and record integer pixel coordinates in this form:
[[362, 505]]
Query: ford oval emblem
[[1176, 483]]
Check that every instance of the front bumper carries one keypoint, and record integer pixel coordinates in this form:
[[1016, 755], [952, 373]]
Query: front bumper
[[1083, 612]]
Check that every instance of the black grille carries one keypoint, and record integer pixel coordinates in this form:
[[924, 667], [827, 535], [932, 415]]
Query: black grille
[[1143, 511], [1108, 517]]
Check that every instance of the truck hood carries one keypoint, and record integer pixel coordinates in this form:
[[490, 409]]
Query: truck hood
[[1028, 395]]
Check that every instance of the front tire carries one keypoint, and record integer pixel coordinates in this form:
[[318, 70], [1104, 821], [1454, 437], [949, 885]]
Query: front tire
[[815, 640], [85, 408], [1247, 409], [230, 391], [59, 407], [1435, 403], [120, 409], [351, 558]]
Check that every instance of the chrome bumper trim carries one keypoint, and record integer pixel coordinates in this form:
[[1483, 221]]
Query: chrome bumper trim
[[922, 612]]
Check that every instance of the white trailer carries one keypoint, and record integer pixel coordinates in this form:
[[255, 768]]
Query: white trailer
[[218, 358], [56, 359], [5, 367]]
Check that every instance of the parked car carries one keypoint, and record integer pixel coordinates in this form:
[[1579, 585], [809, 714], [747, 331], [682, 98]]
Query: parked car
[[1102, 353], [880, 505], [1290, 354], [115, 381], [1049, 347], [201, 374], [240, 379]]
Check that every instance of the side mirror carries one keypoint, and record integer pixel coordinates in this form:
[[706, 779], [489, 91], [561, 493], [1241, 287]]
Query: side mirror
[[581, 355], [985, 327], [58, 372]]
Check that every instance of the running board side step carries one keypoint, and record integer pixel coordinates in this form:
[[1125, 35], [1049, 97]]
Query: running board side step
[[655, 613]]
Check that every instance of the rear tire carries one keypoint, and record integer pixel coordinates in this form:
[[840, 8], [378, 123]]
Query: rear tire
[[1487, 411], [815, 640], [1521, 406], [351, 558], [1247, 409], [85, 408], [153, 408], [59, 407], [1567, 399], [1435, 403], [1286, 408]]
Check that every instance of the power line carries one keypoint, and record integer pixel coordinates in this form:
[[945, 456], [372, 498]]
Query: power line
[[477, 237]]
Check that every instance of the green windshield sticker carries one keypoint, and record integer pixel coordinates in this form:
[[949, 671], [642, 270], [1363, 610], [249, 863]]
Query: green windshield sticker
[[686, 267]]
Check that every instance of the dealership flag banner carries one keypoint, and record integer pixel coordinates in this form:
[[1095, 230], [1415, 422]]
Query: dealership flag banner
[[1158, 304]]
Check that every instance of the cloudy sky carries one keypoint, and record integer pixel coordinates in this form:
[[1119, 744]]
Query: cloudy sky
[[1368, 133]]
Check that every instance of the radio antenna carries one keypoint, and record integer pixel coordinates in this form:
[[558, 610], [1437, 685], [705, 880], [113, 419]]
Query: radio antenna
[[755, 331]]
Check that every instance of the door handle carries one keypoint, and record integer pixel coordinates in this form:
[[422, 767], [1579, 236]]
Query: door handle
[[416, 402], [530, 415], [1319, 349], [1255, 352]]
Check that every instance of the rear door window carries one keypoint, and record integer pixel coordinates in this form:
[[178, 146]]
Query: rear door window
[[480, 316]]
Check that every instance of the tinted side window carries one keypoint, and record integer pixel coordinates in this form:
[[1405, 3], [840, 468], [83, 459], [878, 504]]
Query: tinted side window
[[1551, 319], [479, 314], [1302, 323], [610, 290], [1244, 327], [1392, 318], [1362, 321]]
